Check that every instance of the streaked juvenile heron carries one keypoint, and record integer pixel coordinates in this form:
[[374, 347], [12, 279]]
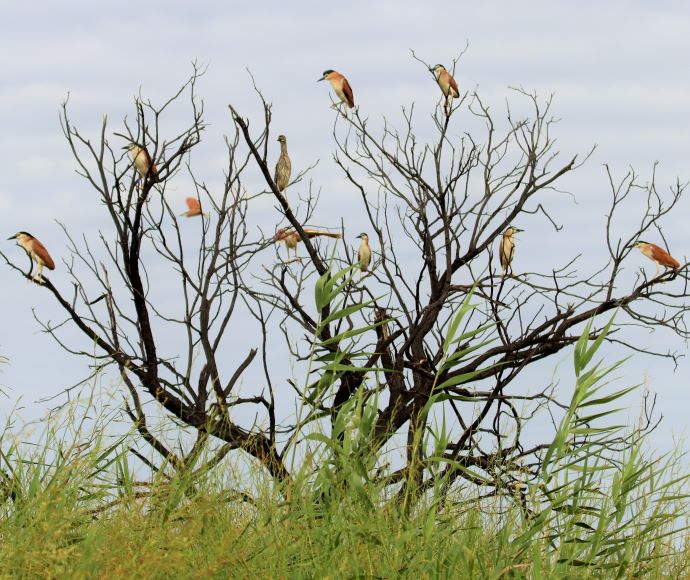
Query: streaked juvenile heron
[[340, 86], [36, 251], [363, 254], [506, 249], [283, 167]]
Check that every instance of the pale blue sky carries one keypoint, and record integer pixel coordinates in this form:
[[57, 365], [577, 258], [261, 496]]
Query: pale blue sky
[[618, 70]]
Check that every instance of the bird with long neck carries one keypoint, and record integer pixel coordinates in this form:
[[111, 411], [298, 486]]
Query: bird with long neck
[[340, 86], [142, 161], [283, 167], [291, 237], [506, 249], [447, 83], [36, 251], [658, 255], [363, 254]]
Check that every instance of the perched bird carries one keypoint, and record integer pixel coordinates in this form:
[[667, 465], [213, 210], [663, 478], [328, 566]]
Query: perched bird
[[36, 251], [660, 256], [363, 254], [283, 167], [340, 86], [447, 83], [292, 238], [506, 249], [142, 160], [194, 207]]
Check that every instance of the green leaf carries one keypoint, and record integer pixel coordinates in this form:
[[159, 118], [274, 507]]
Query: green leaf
[[348, 311]]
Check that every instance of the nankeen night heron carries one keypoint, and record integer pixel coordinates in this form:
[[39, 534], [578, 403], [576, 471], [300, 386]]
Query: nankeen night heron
[[193, 207], [291, 237], [447, 83], [660, 256], [142, 160], [36, 251], [340, 86]]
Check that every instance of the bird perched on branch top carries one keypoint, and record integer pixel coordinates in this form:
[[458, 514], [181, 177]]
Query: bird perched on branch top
[[292, 237], [660, 256], [340, 86], [506, 249], [142, 160], [363, 254], [447, 84], [36, 251], [194, 207], [283, 167]]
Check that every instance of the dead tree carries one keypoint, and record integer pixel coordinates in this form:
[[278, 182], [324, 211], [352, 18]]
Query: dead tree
[[436, 210], [110, 302]]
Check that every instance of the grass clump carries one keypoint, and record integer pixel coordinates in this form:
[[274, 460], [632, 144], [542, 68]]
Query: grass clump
[[71, 506]]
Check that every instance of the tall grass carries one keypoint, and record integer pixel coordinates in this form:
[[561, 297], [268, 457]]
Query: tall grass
[[71, 506]]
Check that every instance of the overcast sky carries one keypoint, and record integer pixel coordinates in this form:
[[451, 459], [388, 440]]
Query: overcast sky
[[618, 72]]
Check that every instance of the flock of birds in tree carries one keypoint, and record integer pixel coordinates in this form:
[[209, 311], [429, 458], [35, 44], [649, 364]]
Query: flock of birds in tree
[[142, 161]]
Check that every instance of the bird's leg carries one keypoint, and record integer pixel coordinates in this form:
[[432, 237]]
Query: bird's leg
[[656, 274], [295, 259], [31, 266], [39, 274]]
